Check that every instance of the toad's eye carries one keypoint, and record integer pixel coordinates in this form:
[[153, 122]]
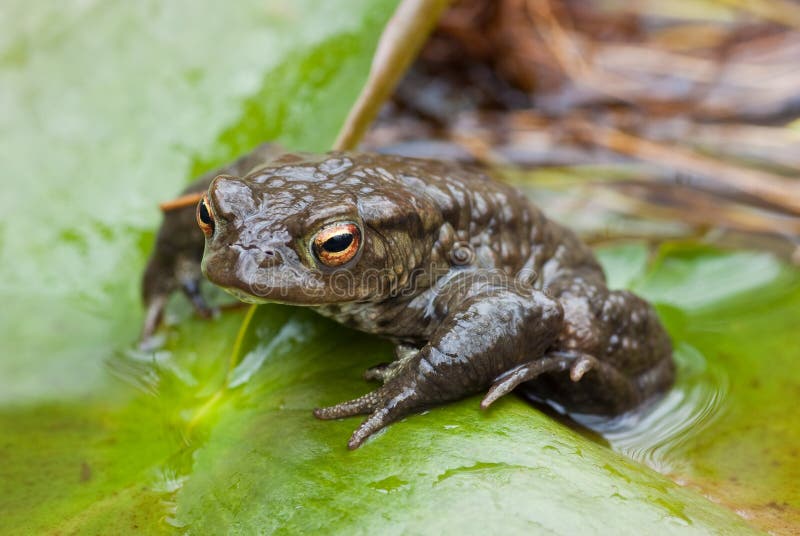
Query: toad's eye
[[205, 216], [336, 244]]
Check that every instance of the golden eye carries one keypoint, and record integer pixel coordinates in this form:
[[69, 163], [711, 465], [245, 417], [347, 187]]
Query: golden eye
[[205, 216], [336, 244]]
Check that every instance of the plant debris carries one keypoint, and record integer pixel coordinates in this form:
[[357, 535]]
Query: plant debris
[[693, 105]]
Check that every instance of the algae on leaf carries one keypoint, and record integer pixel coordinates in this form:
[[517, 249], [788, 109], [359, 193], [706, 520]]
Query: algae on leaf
[[108, 109]]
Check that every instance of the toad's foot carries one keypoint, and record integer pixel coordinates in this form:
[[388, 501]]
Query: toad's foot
[[578, 364], [385, 405], [386, 371]]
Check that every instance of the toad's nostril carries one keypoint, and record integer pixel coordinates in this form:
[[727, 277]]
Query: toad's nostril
[[269, 257]]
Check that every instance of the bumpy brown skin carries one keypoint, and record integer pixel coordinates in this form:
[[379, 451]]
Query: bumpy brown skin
[[473, 284]]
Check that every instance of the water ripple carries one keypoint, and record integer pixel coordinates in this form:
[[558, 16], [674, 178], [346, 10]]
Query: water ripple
[[659, 434]]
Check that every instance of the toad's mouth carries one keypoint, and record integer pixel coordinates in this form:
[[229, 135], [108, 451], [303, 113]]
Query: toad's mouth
[[275, 294], [274, 288], [243, 296]]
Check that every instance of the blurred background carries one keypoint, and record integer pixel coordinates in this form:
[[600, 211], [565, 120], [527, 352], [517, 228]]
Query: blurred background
[[667, 133], [685, 113]]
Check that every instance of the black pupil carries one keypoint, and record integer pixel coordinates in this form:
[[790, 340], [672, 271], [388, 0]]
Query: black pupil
[[205, 216], [337, 243]]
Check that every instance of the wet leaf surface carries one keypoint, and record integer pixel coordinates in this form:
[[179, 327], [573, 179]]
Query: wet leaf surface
[[108, 109]]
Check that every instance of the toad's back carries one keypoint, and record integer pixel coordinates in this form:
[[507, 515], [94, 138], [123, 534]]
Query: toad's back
[[504, 228]]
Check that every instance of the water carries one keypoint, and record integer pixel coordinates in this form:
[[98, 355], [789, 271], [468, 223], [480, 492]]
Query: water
[[658, 434]]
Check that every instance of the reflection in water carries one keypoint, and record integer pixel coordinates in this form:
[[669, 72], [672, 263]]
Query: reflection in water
[[658, 434]]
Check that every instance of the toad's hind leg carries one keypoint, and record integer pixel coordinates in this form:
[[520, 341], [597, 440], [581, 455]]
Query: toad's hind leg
[[578, 364], [616, 351]]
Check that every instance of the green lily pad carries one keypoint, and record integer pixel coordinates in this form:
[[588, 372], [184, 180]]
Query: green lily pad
[[109, 108], [728, 429]]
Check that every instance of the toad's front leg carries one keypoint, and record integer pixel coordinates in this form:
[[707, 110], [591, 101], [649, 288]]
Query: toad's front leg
[[485, 335]]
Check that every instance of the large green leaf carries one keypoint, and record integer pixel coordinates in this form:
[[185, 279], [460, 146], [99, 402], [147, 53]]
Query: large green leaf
[[728, 428], [108, 108]]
